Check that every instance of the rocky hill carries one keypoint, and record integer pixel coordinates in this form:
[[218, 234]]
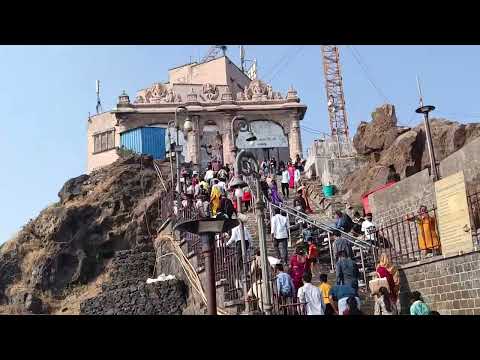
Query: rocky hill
[[383, 143], [62, 257]]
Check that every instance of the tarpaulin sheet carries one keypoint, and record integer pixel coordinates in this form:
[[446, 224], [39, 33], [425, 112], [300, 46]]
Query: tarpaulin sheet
[[366, 206]]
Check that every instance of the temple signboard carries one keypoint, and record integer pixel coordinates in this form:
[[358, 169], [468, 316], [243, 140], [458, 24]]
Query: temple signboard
[[453, 215], [269, 135]]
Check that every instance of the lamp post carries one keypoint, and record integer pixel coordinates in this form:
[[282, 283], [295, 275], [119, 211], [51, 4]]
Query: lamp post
[[237, 185], [425, 109], [170, 125], [178, 148], [245, 124], [207, 228], [247, 164]]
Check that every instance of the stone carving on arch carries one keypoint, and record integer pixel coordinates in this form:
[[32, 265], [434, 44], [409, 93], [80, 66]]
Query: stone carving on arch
[[157, 94], [259, 90], [210, 92]]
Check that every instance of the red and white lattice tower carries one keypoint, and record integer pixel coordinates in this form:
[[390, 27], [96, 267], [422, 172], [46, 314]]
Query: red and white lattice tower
[[335, 96]]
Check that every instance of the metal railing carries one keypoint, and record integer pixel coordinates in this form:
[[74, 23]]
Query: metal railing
[[409, 238], [473, 198]]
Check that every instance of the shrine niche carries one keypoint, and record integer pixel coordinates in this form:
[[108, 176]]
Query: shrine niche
[[258, 90], [209, 92], [157, 94]]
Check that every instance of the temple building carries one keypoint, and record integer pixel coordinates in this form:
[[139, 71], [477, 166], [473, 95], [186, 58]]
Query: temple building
[[214, 93]]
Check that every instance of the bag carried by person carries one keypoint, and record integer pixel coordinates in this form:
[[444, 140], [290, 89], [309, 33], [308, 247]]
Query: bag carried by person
[[376, 284]]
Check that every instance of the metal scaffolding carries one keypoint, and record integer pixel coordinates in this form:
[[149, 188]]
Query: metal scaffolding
[[335, 96]]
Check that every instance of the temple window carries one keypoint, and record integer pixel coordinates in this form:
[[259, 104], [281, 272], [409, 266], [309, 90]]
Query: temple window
[[104, 141]]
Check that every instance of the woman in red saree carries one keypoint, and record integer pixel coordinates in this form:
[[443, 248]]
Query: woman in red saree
[[298, 265], [291, 173], [384, 270]]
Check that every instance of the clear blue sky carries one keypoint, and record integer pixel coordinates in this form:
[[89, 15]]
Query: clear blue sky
[[47, 92]]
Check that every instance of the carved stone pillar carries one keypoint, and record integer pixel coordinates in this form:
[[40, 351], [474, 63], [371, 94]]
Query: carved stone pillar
[[295, 139], [227, 147], [193, 141]]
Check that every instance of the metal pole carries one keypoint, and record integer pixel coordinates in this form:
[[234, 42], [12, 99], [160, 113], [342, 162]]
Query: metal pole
[[431, 152], [331, 252], [244, 254], [177, 157], [363, 267], [170, 154], [208, 249], [267, 306]]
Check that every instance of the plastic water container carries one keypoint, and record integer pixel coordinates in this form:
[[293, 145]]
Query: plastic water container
[[328, 190]]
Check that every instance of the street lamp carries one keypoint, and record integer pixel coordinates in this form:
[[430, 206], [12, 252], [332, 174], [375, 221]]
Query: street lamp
[[433, 163], [187, 125], [237, 185], [243, 124], [247, 164], [207, 228]]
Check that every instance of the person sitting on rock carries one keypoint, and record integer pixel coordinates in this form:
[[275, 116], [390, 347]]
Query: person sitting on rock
[[299, 202]]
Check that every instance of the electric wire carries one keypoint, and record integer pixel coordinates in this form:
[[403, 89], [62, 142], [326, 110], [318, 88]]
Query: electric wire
[[357, 57], [293, 56]]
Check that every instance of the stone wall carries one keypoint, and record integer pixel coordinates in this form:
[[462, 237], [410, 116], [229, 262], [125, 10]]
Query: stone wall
[[418, 189], [450, 285], [391, 204], [126, 292]]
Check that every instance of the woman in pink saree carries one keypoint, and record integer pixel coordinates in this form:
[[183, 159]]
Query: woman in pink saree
[[291, 173]]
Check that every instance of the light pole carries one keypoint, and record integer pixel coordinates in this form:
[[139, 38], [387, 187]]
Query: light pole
[[247, 164], [243, 124], [170, 125], [425, 109], [207, 228], [178, 148], [237, 185]]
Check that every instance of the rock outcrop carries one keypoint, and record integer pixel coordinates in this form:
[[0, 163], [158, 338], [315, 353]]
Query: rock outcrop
[[126, 292], [115, 208], [386, 144]]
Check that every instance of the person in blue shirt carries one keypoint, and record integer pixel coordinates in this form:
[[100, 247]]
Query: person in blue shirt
[[285, 285], [340, 295], [344, 222], [346, 270]]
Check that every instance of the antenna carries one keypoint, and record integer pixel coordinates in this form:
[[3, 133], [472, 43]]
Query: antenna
[[242, 58], [419, 91], [99, 104]]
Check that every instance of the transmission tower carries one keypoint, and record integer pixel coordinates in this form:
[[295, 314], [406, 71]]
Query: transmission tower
[[214, 51], [335, 95]]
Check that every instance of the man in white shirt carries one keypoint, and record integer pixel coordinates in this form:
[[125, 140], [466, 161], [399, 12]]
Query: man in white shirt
[[285, 180], [279, 226], [368, 228], [311, 296], [209, 175], [236, 237]]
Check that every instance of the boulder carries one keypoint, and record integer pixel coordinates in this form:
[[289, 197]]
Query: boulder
[[72, 188], [403, 154], [371, 137]]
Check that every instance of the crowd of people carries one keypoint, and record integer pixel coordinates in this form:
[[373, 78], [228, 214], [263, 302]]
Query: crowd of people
[[210, 196]]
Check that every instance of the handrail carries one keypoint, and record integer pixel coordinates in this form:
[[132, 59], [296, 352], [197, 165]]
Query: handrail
[[324, 226]]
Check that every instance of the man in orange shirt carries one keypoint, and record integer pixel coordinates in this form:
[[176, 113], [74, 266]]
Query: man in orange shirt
[[325, 289]]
